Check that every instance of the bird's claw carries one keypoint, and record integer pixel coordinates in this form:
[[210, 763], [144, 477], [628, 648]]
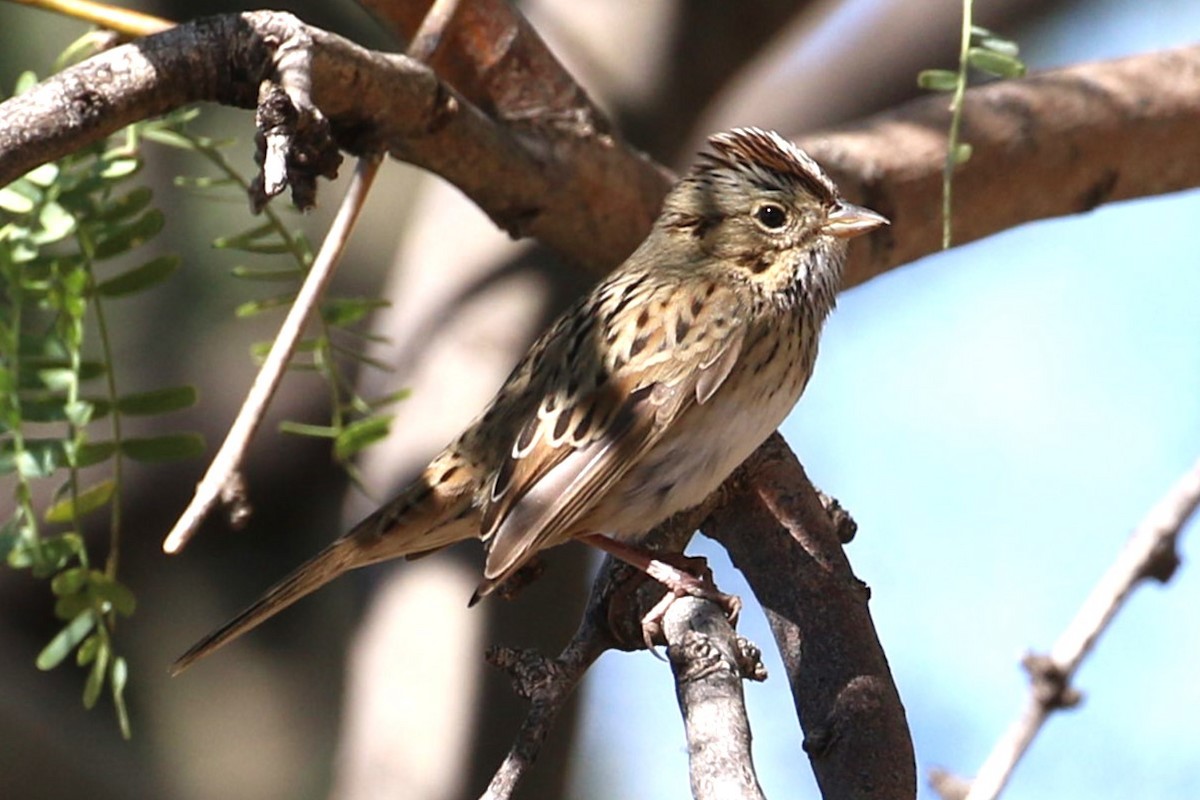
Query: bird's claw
[[686, 577]]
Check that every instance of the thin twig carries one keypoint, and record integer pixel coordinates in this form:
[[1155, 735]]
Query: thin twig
[[127, 22], [224, 467], [432, 32], [709, 660], [1149, 553]]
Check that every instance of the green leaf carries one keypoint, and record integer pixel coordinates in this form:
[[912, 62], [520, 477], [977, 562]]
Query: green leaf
[[343, 311], [66, 640], [304, 429], [125, 206], [95, 679], [118, 678], [78, 412], [1002, 46], [157, 401], [389, 399], [90, 453], [168, 137], [995, 63], [117, 594], [9, 536], [87, 651], [266, 238], [55, 223], [152, 272], [203, 182], [361, 434], [937, 80], [69, 605], [56, 374], [267, 273], [962, 153], [118, 166], [39, 458], [43, 176], [13, 201], [88, 500], [124, 238], [56, 552], [70, 581], [25, 81], [254, 307], [171, 447], [43, 409]]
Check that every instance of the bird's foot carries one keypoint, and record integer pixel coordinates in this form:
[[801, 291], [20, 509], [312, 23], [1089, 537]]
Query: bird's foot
[[684, 576]]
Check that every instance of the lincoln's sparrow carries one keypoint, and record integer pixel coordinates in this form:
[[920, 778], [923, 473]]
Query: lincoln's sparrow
[[645, 395]]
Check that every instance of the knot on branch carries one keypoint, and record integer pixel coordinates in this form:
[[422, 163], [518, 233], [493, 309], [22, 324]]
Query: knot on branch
[[696, 657], [749, 660], [948, 785], [534, 676], [294, 147], [844, 525], [1049, 683], [1162, 560]]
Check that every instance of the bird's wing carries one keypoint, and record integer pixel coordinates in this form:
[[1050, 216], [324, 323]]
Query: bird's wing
[[578, 445]]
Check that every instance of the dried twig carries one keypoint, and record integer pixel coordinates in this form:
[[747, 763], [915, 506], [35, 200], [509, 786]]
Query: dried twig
[[1149, 553], [223, 470]]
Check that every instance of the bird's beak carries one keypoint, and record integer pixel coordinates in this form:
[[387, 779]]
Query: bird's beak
[[848, 220]]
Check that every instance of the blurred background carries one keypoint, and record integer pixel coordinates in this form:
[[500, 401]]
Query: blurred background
[[997, 418]]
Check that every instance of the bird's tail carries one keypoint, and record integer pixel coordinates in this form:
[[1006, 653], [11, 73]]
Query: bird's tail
[[427, 516], [310, 576]]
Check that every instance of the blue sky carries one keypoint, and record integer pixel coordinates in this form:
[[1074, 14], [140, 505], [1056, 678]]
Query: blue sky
[[997, 418]]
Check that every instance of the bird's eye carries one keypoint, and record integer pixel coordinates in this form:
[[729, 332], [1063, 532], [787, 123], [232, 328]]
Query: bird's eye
[[771, 215]]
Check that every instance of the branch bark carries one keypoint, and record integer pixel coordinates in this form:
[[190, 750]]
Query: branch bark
[[709, 662], [780, 535], [1091, 134]]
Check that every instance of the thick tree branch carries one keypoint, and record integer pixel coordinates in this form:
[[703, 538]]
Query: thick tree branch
[[1090, 134], [780, 535], [1055, 143], [590, 196], [1151, 553]]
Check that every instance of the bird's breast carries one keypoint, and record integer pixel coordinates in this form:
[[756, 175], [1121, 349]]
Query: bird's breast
[[709, 441]]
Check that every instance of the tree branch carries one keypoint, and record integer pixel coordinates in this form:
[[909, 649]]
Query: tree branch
[[1054, 143], [709, 661], [1091, 134], [1151, 552], [780, 535], [619, 598], [592, 190]]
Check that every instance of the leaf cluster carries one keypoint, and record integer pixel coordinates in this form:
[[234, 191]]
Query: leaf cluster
[[988, 53], [62, 228]]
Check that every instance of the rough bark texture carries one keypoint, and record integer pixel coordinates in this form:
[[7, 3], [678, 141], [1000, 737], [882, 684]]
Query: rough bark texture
[[779, 534]]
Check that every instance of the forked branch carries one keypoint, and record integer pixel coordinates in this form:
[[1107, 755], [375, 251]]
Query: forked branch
[[1151, 552]]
